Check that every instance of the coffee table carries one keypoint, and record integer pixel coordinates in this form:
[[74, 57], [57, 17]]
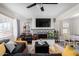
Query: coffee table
[[41, 48]]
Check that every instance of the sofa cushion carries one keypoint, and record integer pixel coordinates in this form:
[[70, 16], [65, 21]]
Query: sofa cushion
[[18, 49]]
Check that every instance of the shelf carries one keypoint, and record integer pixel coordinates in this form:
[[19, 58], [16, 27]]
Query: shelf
[[43, 29]]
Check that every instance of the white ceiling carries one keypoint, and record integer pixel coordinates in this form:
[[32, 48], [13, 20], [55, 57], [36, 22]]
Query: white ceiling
[[19, 9]]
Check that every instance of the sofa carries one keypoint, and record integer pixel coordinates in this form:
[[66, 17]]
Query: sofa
[[20, 47], [37, 54], [45, 54]]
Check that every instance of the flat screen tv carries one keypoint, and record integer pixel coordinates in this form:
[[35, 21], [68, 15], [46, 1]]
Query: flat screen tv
[[43, 22]]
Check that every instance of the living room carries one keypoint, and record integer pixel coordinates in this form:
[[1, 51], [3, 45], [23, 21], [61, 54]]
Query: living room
[[38, 29]]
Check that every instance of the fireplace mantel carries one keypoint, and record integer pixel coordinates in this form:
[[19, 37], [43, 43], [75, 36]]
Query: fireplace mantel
[[42, 29], [35, 31]]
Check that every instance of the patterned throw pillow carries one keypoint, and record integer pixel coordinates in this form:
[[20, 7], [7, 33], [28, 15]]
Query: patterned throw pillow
[[10, 46]]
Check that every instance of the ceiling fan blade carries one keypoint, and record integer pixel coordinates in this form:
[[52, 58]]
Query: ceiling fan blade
[[31, 5]]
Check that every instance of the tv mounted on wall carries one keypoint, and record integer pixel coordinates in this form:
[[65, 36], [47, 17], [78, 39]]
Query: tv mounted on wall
[[43, 22]]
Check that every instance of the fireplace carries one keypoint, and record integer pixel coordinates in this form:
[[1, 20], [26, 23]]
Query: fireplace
[[42, 36], [41, 33]]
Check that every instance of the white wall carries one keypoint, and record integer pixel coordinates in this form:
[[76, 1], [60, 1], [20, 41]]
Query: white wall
[[24, 22], [32, 23], [74, 26]]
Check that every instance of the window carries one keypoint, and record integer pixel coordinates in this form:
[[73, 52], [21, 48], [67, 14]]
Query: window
[[5, 29]]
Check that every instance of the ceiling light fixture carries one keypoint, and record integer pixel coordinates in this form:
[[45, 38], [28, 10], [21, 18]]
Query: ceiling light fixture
[[42, 8]]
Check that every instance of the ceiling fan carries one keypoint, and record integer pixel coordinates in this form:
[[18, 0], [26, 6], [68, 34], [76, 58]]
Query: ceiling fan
[[42, 8]]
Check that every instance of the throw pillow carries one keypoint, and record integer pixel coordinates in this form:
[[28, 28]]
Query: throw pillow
[[2, 49], [10, 46]]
